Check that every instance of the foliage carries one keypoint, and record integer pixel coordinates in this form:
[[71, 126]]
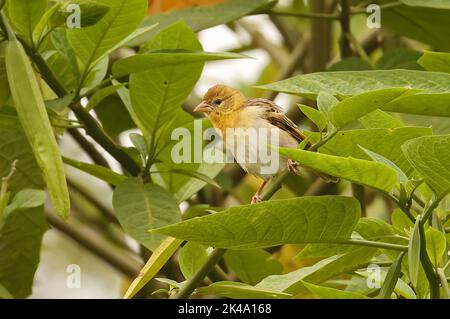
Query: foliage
[[379, 124]]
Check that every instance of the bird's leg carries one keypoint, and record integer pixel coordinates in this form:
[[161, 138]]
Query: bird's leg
[[292, 166], [257, 197]]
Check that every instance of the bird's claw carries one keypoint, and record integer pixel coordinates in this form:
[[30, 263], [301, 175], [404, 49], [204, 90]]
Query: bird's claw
[[256, 199], [292, 166]]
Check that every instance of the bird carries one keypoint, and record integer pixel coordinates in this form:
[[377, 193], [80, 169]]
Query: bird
[[227, 108]]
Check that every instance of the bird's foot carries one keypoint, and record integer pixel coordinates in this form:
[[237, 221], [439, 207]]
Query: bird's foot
[[292, 166], [256, 198]]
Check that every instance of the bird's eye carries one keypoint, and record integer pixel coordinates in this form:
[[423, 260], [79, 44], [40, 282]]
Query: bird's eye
[[217, 102]]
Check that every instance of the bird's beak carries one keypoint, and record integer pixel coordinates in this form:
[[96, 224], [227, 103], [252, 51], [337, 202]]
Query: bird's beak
[[203, 107]]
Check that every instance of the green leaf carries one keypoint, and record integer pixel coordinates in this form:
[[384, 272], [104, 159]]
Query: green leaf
[[151, 60], [429, 104], [428, 25], [322, 271], [157, 94], [93, 42], [358, 171], [332, 293], [325, 102], [42, 28], [401, 222], [357, 106], [103, 173], [350, 64], [157, 260], [436, 245], [203, 17], [350, 83], [380, 119], [429, 155], [438, 4], [239, 290], [197, 175], [140, 207], [315, 116], [297, 220], [113, 115], [414, 254], [14, 146], [140, 143], [21, 231], [192, 256], [24, 16], [402, 178], [101, 94], [90, 13], [435, 61], [400, 59], [252, 266], [4, 294], [390, 281], [386, 142], [36, 124], [4, 86]]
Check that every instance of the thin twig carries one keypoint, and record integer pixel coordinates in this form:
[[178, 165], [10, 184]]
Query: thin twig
[[90, 149], [344, 20], [309, 15]]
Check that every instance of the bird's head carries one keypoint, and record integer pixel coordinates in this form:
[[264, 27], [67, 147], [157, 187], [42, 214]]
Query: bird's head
[[220, 99]]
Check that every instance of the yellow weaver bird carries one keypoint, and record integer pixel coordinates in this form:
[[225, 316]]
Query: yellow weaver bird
[[228, 108]]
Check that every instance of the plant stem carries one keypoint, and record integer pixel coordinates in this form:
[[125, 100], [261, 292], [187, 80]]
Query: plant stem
[[428, 267], [344, 20], [90, 149], [369, 243], [198, 277], [444, 283], [309, 15], [429, 209]]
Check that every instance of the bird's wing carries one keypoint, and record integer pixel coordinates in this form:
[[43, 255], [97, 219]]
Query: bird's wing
[[275, 116]]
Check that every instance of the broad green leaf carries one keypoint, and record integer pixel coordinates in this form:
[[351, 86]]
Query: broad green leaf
[[151, 60], [4, 294], [140, 144], [350, 83], [90, 13], [357, 106], [355, 170], [124, 95], [428, 25], [239, 290], [315, 116], [21, 231], [297, 220], [191, 257], [414, 254], [367, 228], [252, 266], [203, 17], [42, 27], [141, 207], [14, 146], [183, 186], [157, 260], [402, 178], [93, 42], [24, 16], [380, 119], [332, 293], [390, 281], [156, 95], [422, 103], [4, 86], [400, 59], [113, 115], [430, 156], [435, 61], [401, 222], [436, 245], [438, 4], [322, 271], [101, 94], [103, 173], [325, 102], [386, 142], [350, 64], [36, 124]]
